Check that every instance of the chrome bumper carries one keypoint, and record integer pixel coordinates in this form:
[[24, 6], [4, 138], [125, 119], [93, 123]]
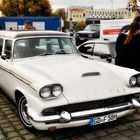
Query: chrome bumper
[[65, 117]]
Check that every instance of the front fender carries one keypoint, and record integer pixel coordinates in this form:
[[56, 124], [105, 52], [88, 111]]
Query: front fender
[[123, 72]]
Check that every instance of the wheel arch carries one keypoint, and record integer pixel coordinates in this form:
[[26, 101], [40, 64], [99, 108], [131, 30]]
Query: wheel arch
[[18, 94]]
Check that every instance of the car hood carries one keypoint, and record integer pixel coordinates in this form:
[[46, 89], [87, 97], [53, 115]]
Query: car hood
[[81, 78]]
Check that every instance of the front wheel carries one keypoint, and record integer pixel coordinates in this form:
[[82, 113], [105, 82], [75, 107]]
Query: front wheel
[[22, 111]]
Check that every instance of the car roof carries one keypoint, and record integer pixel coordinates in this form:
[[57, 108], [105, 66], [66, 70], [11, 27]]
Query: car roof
[[105, 41], [18, 34]]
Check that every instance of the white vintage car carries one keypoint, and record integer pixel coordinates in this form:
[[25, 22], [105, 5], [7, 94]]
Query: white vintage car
[[55, 87]]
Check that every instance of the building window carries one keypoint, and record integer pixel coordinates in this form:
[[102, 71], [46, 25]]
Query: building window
[[84, 15]]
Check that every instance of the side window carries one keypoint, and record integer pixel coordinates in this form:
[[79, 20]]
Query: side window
[[8, 48], [1, 44], [101, 49], [102, 53]]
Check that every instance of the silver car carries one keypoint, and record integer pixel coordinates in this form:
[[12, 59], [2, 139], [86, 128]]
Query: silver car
[[99, 49]]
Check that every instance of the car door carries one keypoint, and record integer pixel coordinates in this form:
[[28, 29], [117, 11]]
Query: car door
[[5, 65]]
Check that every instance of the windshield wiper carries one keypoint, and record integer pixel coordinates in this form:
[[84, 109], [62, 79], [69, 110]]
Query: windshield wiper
[[46, 53]]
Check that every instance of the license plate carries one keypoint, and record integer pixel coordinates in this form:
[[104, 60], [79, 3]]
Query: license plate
[[81, 38], [103, 119]]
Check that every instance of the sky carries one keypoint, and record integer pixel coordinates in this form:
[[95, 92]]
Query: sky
[[95, 3]]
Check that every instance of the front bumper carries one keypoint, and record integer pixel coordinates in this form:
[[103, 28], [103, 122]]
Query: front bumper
[[79, 118]]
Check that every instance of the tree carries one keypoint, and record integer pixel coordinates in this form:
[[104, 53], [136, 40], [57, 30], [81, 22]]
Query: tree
[[133, 2], [80, 25], [26, 8], [134, 5], [40, 8], [9, 7]]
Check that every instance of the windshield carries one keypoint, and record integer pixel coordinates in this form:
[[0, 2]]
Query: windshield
[[92, 27], [30, 47]]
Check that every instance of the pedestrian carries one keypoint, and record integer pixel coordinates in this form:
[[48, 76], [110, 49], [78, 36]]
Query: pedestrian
[[28, 26], [125, 28], [59, 29], [128, 47], [63, 29]]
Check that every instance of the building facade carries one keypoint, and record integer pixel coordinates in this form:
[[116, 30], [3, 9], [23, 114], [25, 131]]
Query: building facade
[[82, 13], [76, 13], [109, 13]]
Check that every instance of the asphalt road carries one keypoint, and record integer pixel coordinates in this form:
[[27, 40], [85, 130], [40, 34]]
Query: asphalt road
[[126, 128]]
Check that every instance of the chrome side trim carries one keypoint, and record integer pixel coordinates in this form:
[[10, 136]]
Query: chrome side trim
[[16, 75]]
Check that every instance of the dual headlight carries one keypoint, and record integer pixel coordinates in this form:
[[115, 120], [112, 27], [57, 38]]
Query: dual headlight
[[134, 80], [49, 91]]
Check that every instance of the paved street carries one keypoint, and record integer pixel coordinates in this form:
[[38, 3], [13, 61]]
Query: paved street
[[127, 128]]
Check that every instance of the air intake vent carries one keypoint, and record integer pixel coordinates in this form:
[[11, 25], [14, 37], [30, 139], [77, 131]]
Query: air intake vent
[[90, 74]]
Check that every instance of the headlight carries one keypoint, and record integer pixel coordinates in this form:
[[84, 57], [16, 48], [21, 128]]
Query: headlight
[[49, 91], [57, 90], [45, 92], [133, 81]]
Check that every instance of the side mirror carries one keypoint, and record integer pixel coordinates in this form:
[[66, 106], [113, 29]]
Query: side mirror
[[86, 50], [109, 59]]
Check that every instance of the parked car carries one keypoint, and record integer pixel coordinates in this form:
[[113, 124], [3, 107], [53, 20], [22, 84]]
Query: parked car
[[54, 87], [99, 49], [91, 31]]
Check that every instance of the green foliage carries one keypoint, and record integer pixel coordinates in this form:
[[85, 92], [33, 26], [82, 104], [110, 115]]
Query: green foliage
[[80, 25], [26, 8]]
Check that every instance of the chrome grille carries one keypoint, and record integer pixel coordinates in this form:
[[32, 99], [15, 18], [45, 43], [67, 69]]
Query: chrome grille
[[87, 105]]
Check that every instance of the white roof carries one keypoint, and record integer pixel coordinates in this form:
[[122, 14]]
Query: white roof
[[100, 41], [17, 34]]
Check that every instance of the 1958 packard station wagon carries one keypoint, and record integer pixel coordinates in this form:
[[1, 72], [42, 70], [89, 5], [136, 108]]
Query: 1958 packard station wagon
[[53, 86]]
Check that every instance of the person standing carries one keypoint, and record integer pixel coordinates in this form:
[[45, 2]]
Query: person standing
[[128, 47], [28, 26]]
